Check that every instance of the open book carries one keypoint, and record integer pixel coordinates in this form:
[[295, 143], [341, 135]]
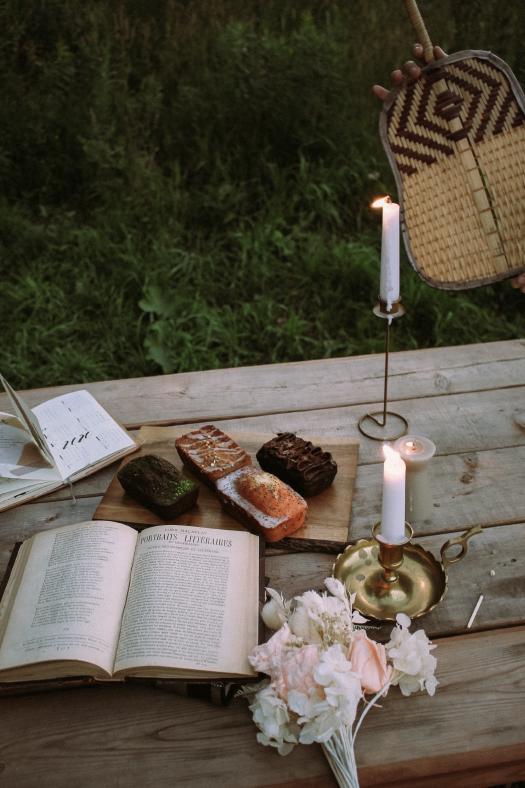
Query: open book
[[100, 599], [57, 442]]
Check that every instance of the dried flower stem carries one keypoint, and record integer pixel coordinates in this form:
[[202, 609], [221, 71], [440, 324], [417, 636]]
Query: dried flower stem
[[371, 703], [339, 752]]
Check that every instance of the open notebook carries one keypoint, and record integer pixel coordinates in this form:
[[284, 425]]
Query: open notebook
[[61, 440]]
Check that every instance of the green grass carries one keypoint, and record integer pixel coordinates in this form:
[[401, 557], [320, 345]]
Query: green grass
[[186, 186]]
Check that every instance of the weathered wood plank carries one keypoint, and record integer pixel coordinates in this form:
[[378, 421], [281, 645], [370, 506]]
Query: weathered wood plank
[[473, 726], [325, 383], [501, 550], [481, 487], [457, 423]]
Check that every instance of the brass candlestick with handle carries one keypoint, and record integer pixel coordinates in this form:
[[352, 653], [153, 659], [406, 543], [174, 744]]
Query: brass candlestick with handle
[[388, 579]]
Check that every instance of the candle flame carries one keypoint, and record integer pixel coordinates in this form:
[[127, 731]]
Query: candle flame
[[379, 202], [414, 446]]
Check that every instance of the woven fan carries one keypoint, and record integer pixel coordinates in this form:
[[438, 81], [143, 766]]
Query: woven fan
[[455, 139]]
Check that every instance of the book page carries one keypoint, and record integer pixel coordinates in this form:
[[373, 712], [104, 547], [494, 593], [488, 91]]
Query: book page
[[70, 598], [25, 415], [79, 432], [192, 603], [20, 457], [13, 490]]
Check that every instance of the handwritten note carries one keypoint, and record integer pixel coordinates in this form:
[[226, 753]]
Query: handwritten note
[[79, 432]]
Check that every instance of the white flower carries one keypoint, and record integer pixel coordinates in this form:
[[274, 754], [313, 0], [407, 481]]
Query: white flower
[[403, 620], [318, 719], [304, 626], [276, 611], [313, 602], [272, 717], [332, 662], [341, 684], [323, 619], [302, 704], [410, 654], [322, 726], [335, 607], [267, 657], [336, 588]]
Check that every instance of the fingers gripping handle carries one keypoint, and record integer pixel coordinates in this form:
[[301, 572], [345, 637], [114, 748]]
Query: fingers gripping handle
[[420, 29]]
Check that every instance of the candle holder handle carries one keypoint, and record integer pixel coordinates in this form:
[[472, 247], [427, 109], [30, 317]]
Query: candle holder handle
[[462, 542]]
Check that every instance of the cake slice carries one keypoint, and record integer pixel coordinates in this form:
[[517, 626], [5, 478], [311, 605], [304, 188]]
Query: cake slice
[[262, 502], [157, 484], [210, 453], [305, 467]]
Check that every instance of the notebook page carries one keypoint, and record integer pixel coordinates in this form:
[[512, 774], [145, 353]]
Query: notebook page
[[79, 432], [21, 460], [26, 417]]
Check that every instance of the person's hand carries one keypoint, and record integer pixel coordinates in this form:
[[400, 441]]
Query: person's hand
[[410, 71], [518, 282]]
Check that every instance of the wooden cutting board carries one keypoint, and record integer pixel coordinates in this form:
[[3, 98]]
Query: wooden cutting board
[[329, 512]]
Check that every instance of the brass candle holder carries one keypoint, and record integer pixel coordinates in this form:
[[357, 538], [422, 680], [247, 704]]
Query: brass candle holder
[[385, 425], [397, 578]]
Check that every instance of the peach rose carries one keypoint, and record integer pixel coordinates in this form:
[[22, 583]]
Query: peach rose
[[369, 662]]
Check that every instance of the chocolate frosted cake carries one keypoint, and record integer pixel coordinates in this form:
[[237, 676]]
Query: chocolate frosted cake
[[305, 467], [157, 484], [210, 453]]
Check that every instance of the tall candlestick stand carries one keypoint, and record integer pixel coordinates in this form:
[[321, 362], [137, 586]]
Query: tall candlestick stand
[[385, 425]]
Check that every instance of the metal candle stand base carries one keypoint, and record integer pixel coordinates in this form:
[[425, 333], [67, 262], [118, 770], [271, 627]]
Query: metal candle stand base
[[389, 578], [378, 425]]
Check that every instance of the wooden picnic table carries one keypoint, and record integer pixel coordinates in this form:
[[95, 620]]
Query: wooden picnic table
[[470, 401]]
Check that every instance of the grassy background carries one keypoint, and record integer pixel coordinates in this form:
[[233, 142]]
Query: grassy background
[[185, 184]]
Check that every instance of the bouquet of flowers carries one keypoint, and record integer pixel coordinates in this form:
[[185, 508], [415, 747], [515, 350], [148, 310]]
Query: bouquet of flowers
[[321, 665]]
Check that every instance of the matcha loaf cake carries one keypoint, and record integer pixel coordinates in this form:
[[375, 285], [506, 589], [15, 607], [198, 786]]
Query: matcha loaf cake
[[157, 484]]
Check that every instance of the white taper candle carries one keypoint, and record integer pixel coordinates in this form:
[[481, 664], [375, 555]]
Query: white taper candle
[[393, 509], [389, 279]]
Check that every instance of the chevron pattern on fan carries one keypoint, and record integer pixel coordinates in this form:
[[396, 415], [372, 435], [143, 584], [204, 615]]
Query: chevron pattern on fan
[[418, 121]]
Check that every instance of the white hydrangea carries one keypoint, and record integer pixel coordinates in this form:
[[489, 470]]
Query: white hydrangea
[[414, 665], [321, 715], [271, 715]]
